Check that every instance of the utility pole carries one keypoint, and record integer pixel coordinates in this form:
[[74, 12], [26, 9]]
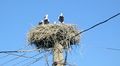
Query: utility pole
[[58, 58]]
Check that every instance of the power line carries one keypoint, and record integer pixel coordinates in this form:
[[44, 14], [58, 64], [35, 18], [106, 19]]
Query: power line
[[19, 51], [20, 56], [97, 24], [36, 60], [114, 49], [13, 59], [26, 59]]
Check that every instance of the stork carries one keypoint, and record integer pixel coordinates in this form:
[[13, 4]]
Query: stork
[[41, 22], [46, 20], [61, 18]]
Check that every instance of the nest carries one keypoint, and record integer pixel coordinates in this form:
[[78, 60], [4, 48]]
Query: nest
[[46, 36]]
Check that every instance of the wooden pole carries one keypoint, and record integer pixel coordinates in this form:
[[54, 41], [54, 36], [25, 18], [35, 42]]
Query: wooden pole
[[58, 59]]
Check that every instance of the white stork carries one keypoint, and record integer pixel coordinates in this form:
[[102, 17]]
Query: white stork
[[41, 22], [46, 20], [61, 18]]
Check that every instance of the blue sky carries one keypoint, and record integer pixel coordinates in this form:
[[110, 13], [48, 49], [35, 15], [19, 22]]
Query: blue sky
[[18, 16]]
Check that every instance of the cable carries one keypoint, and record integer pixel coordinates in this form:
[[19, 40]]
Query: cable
[[23, 56], [31, 58], [34, 61], [26, 60], [114, 49], [13, 59], [97, 24], [18, 51]]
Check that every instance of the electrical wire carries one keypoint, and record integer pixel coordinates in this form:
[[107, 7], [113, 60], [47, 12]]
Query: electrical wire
[[36, 60], [97, 24], [13, 59], [26, 60], [33, 57], [114, 49]]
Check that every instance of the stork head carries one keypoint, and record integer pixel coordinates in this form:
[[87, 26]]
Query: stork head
[[61, 14], [46, 16]]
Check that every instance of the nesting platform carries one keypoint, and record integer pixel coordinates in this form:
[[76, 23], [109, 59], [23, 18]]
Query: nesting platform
[[46, 36]]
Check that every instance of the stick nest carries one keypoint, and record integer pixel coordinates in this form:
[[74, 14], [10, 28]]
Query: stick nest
[[46, 36]]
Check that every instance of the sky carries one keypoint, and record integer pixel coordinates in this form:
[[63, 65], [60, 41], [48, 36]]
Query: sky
[[17, 17]]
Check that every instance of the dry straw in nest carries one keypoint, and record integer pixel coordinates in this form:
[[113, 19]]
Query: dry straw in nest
[[46, 36]]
